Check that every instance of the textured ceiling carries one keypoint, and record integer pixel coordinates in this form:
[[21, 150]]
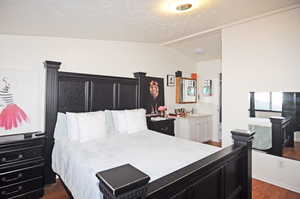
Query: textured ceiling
[[124, 20], [210, 43]]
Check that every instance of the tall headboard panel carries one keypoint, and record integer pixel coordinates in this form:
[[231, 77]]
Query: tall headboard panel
[[75, 92]]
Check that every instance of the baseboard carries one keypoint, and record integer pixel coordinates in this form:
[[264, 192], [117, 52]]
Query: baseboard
[[279, 184]]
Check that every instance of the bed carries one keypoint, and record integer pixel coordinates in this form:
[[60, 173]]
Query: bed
[[263, 133], [85, 160], [177, 168], [272, 134]]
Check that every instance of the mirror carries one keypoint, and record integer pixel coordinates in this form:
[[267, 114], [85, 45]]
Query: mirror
[[275, 117], [186, 90]]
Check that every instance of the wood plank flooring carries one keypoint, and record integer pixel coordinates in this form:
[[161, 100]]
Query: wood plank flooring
[[292, 152], [261, 190], [218, 144]]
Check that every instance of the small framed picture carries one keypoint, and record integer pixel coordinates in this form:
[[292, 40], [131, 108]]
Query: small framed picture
[[170, 80]]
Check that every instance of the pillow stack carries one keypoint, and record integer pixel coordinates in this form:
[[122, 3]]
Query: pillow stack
[[84, 127], [129, 121]]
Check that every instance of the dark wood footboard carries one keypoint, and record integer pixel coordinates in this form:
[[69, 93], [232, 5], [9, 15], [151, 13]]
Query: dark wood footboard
[[223, 175], [282, 134]]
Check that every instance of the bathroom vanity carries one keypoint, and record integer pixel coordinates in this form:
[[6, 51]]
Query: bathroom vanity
[[195, 127]]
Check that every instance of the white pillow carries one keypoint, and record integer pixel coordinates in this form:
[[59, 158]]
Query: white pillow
[[91, 125], [136, 120], [73, 129], [61, 128], [120, 121]]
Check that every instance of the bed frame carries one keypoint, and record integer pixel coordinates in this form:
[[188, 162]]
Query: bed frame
[[226, 174], [282, 134]]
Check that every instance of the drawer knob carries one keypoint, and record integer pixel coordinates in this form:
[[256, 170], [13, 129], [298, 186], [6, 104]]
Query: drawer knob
[[5, 193], [4, 179], [164, 129], [5, 160]]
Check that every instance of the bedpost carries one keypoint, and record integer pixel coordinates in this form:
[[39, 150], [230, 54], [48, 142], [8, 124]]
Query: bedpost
[[244, 138], [282, 134], [277, 136], [51, 114], [123, 182]]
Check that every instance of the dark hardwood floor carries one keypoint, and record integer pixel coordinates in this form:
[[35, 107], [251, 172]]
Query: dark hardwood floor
[[55, 191], [292, 152], [218, 144], [261, 190]]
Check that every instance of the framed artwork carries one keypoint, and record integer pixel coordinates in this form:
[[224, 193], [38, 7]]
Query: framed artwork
[[171, 80], [207, 88], [152, 94], [20, 102]]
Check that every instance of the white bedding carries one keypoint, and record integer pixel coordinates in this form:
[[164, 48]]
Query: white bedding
[[153, 153], [266, 122]]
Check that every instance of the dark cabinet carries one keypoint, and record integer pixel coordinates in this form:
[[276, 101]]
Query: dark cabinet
[[162, 126], [22, 166]]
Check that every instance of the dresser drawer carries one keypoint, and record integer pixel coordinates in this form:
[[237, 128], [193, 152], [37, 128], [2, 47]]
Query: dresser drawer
[[19, 155], [17, 175], [30, 195], [21, 188]]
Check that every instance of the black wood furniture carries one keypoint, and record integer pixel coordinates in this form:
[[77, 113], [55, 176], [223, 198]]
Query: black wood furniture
[[124, 182], [22, 166], [225, 174], [282, 134], [163, 126], [221, 175]]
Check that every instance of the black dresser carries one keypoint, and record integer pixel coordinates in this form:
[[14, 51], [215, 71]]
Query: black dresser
[[162, 126], [22, 166]]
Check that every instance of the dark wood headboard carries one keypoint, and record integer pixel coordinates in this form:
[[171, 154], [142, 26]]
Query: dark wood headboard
[[76, 92]]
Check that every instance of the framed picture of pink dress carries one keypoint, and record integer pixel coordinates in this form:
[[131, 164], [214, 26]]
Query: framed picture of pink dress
[[20, 101]]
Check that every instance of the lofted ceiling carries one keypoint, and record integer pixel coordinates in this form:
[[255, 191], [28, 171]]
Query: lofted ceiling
[[125, 20]]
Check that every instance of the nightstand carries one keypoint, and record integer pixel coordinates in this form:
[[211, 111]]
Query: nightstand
[[163, 126], [22, 166]]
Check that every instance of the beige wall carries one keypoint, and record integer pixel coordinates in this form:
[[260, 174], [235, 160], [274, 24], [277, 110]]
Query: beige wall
[[261, 55], [210, 70], [91, 56]]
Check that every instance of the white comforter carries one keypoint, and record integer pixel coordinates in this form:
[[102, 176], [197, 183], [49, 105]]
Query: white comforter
[[266, 122], [153, 153]]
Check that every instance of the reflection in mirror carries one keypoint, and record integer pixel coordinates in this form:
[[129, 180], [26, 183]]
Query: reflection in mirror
[[275, 117], [186, 90]]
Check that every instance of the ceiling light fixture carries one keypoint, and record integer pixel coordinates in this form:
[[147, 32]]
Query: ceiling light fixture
[[199, 51], [180, 6], [184, 7]]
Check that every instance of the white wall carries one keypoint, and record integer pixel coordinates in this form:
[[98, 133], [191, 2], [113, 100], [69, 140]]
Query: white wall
[[257, 56], [91, 56], [210, 70]]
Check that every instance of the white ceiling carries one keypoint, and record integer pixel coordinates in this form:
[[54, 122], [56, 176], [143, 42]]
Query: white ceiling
[[210, 43], [125, 20]]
